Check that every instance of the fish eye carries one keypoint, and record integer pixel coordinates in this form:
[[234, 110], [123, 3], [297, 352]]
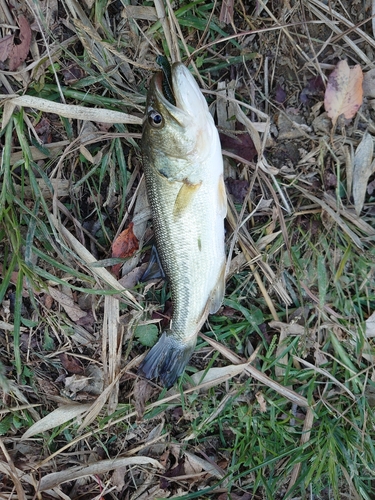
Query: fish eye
[[155, 119]]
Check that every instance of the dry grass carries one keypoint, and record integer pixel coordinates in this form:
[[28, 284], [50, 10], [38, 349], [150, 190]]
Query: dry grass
[[277, 401]]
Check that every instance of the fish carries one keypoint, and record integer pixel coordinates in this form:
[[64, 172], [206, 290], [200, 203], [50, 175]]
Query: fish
[[183, 169]]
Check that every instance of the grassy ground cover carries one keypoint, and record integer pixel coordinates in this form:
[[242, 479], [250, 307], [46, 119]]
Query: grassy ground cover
[[277, 401]]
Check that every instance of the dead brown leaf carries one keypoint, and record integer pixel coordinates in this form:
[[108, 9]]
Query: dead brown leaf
[[118, 478], [369, 83], [344, 92], [54, 479], [72, 74], [226, 12], [6, 45], [124, 246], [362, 170], [192, 467], [370, 326], [262, 402], [43, 129], [19, 52], [57, 417], [71, 364], [143, 390], [74, 312], [178, 470], [237, 188]]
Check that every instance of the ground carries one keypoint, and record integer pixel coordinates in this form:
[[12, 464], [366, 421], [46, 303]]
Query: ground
[[277, 400]]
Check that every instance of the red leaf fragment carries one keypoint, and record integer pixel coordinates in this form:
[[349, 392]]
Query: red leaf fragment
[[280, 94], [344, 92], [71, 364], [19, 52], [241, 145], [124, 246]]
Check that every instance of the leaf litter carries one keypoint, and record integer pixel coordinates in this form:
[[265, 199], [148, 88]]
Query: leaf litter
[[288, 206], [344, 92], [19, 51]]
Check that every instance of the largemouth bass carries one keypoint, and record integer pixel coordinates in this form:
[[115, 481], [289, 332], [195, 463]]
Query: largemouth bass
[[183, 169]]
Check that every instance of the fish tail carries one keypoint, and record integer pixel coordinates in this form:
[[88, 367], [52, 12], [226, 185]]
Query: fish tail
[[167, 359]]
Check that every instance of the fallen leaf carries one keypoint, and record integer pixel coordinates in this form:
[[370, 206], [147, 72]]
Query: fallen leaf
[[205, 465], [291, 126], [71, 364], [237, 188], [118, 478], [131, 279], [320, 357], [54, 479], [48, 301], [214, 376], [370, 326], [371, 187], [56, 418], [74, 312], [43, 129], [192, 466], [177, 471], [314, 88], [344, 92], [369, 83], [72, 74], [19, 52], [76, 383], [6, 45], [241, 145], [234, 496], [261, 401], [280, 94], [143, 390], [124, 246], [363, 168], [226, 11]]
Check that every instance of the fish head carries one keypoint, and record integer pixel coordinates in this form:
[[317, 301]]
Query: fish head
[[178, 125]]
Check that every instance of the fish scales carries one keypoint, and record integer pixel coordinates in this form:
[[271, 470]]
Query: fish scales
[[184, 180], [186, 253]]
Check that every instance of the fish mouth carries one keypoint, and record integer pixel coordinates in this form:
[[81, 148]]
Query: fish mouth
[[180, 95]]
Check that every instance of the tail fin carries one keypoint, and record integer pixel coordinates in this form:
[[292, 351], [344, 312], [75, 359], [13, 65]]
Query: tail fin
[[166, 360]]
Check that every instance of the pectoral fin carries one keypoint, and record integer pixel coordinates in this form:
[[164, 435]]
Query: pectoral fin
[[184, 198], [218, 292]]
